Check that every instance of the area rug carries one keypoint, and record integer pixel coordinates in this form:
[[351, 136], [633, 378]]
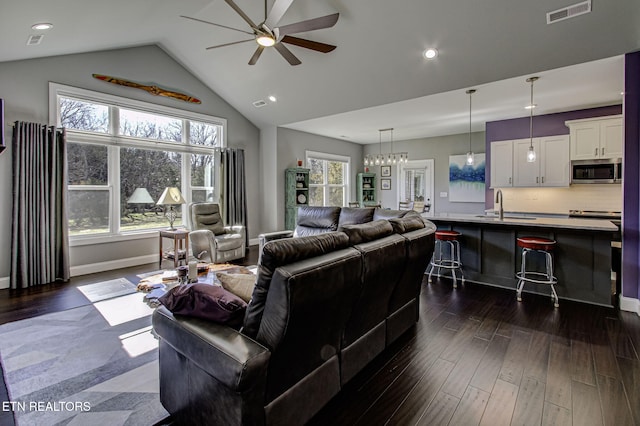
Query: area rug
[[92, 365], [107, 289]]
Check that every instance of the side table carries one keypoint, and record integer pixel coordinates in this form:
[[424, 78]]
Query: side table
[[180, 239]]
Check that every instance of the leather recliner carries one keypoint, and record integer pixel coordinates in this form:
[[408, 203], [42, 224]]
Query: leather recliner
[[211, 240]]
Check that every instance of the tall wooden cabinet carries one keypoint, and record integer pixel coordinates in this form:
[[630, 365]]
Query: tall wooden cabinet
[[366, 187], [296, 194]]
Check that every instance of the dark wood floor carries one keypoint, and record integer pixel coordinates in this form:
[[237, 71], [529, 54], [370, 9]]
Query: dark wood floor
[[476, 356]]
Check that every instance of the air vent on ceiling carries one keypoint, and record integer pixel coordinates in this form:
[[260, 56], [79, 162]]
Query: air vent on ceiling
[[34, 39], [569, 12], [259, 104]]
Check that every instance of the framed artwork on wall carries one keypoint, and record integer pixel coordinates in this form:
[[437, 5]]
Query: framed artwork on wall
[[385, 171], [385, 184]]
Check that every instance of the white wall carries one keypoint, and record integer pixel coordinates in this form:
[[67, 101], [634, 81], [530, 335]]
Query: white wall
[[24, 87]]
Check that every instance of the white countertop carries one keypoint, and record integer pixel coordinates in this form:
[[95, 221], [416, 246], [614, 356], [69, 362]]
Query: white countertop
[[543, 222]]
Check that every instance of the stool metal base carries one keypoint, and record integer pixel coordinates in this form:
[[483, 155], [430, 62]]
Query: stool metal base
[[534, 277], [453, 263]]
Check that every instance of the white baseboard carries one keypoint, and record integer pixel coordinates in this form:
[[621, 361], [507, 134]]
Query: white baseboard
[[4, 282], [629, 304], [254, 242], [92, 268]]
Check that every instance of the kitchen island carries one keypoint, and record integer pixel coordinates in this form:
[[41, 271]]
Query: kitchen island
[[582, 257]]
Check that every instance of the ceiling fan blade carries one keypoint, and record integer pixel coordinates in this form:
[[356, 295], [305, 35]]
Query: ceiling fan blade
[[228, 44], [217, 25], [308, 44], [242, 14], [286, 54], [278, 10], [309, 25], [256, 55]]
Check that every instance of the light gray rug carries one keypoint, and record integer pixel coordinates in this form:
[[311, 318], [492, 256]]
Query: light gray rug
[[107, 289], [92, 365]]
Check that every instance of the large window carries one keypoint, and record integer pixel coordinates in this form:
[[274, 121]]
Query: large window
[[123, 153], [328, 179]]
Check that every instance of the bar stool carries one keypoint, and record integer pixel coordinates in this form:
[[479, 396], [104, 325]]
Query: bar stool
[[452, 263], [544, 246]]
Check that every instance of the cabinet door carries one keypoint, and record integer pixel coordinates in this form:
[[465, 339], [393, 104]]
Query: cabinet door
[[611, 137], [585, 141], [525, 173], [501, 164], [555, 167]]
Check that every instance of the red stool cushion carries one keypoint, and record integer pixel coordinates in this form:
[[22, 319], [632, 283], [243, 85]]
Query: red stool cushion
[[536, 243], [447, 235]]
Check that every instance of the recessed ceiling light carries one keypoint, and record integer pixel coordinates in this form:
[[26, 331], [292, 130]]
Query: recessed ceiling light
[[272, 98], [530, 106], [42, 26], [430, 53]]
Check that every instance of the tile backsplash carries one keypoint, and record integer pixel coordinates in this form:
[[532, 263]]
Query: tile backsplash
[[561, 200]]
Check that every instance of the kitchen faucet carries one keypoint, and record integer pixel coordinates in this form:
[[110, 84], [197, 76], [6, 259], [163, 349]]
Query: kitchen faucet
[[499, 199]]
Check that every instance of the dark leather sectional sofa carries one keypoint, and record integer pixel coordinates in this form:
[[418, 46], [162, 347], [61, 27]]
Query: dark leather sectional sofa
[[323, 307]]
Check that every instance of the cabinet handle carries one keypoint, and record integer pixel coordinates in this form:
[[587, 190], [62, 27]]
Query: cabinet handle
[[602, 150], [509, 179], [542, 179], [596, 153], [537, 179]]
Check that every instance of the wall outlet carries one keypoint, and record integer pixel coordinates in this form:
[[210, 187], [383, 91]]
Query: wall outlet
[[444, 195]]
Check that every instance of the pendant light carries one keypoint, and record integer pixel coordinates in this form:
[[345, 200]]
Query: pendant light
[[392, 158], [470, 159], [531, 154]]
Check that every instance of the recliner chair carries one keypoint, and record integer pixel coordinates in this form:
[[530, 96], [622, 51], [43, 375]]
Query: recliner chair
[[212, 241]]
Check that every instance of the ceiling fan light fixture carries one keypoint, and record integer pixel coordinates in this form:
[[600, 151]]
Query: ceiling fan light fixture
[[265, 40]]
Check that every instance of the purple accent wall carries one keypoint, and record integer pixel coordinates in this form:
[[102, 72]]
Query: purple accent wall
[[543, 125], [631, 178]]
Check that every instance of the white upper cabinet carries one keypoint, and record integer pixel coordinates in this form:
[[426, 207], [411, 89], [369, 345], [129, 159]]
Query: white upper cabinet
[[596, 138], [501, 164], [552, 165], [509, 165]]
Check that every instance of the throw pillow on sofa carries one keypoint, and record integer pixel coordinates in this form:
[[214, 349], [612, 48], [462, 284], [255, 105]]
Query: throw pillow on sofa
[[205, 301], [239, 284]]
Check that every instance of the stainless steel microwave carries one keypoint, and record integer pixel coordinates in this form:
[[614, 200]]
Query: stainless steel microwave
[[596, 171]]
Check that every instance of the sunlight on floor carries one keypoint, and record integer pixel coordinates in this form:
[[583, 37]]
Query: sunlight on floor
[[138, 342], [123, 309]]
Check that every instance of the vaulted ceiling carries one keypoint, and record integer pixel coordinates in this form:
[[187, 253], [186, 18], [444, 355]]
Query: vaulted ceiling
[[377, 76]]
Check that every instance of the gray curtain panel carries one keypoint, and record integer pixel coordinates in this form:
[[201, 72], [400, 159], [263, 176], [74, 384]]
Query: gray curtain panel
[[234, 189], [39, 234]]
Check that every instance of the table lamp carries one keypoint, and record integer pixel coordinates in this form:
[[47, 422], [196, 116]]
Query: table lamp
[[171, 197]]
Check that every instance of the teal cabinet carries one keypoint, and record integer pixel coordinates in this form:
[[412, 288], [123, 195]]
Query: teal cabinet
[[367, 190], [296, 194]]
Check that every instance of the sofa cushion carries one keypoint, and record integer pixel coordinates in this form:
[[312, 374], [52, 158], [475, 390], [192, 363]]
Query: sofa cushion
[[365, 232], [406, 224], [353, 215], [315, 220], [282, 252], [205, 301], [388, 214], [239, 284]]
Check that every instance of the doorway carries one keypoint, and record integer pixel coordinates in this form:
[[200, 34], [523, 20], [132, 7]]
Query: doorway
[[416, 183]]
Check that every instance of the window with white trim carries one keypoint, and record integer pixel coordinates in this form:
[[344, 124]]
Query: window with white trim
[[328, 179], [119, 146]]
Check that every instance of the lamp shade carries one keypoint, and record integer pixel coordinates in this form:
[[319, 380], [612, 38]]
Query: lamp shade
[[171, 196], [140, 196]]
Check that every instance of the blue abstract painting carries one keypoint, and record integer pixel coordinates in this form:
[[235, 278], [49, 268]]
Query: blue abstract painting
[[466, 183]]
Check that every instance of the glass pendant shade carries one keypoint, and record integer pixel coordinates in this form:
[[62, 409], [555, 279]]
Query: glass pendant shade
[[531, 155], [470, 156]]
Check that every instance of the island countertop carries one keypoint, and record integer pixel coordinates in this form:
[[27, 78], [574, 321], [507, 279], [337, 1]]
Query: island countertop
[[528, 221]]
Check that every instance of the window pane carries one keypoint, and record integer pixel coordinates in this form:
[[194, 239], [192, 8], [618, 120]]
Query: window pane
[[87, 164], [336, 196], [335, 170], [316, 196], [202, 196], [88, 211], [204, 134], [81, 115], [153, 171], [202, 170], [150, 126], [316, 173]]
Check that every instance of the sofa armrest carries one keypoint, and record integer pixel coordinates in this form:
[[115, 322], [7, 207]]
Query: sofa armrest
[[271, 236], [233, 359]]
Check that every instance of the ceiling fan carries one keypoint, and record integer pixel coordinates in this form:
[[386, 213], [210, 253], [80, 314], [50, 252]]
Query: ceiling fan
[[266, 34]]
